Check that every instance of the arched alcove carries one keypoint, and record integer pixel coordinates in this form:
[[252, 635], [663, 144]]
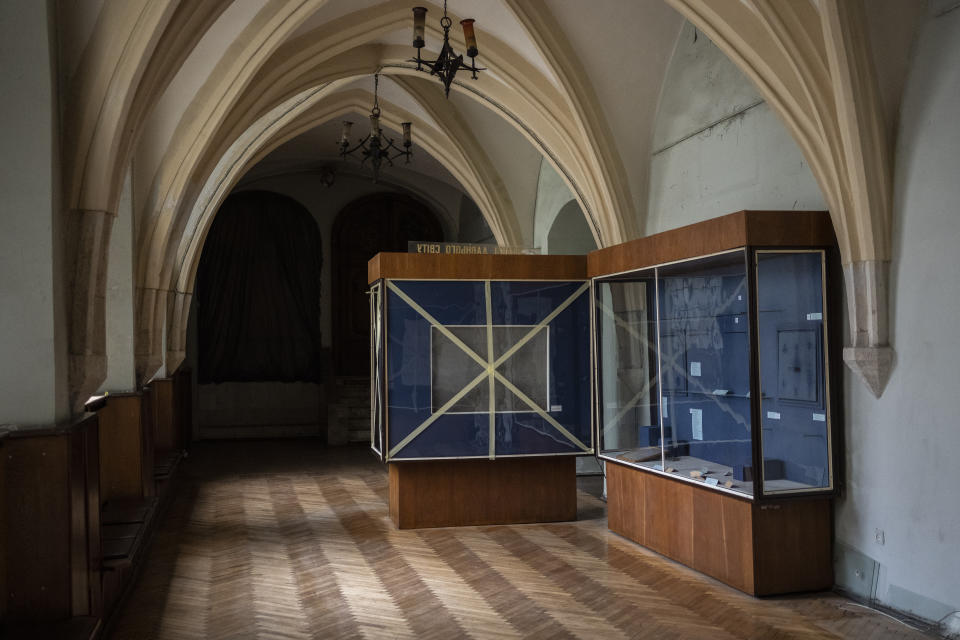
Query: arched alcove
[[257, 306], [570, 233]]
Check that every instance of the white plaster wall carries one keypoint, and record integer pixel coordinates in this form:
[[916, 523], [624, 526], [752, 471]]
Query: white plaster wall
[[624, 48], [902, 472], [720, 148], [121, 367], [76, 20], [32, 320], [515, 159]]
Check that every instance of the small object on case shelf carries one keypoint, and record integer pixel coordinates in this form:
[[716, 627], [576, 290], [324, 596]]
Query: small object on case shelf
[[773, 470], [649, 436], [728, 484], [682, 448], [671, 470], [696, 474]]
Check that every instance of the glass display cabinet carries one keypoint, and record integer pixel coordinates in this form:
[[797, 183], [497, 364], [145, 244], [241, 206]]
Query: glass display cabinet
[[713, 395], [480, 374], [675, 390]]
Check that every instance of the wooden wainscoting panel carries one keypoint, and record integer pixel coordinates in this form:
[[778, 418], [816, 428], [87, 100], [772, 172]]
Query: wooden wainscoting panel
[[738, 536], [121, 448], [446, 493], [147, 440], [3, 526], [626, 506], [183, 403], [38, 532], [91, 505], [165, 436], [669, 518], [722, 538], [794, 549]]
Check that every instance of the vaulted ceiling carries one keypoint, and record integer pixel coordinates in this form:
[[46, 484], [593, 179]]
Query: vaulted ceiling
[[187, 96]]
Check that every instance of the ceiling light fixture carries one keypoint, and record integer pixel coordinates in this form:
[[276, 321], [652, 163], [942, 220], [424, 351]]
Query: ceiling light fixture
[[376, 147], [448, 62]]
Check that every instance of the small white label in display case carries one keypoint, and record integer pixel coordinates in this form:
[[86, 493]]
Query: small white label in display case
[[819, 417], [556, 407], [773, 415], [696, 421], [814, 316], [712, 482], [695, 369]]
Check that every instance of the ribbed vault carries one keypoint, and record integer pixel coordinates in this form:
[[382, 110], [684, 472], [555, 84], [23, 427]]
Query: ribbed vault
[[279, 69]]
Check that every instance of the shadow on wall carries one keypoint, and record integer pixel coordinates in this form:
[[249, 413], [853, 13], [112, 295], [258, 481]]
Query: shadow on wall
[[570, 233]]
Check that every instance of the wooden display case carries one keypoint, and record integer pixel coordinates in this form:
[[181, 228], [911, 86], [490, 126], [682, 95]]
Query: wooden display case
[[490, 483], [724, 458]]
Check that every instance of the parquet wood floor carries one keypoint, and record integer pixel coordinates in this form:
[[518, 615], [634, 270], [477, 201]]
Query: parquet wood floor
[[290, 540]]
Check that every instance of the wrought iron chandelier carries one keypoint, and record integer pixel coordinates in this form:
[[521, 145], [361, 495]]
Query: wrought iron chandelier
[[448, 62], [376, 147]]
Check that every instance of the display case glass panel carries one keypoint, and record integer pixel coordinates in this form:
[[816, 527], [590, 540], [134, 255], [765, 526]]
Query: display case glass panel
[[629, 383], [675, 393], [794, 406], [486, 368], [705, 360], [376, 370]]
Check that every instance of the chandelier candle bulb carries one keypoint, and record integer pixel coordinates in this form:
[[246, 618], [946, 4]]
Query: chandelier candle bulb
[[374, 126], [419, 21], [470, 37], [345, 133], [407, 141]]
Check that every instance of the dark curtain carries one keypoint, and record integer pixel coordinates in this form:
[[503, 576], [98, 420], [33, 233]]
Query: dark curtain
[[258, 292]]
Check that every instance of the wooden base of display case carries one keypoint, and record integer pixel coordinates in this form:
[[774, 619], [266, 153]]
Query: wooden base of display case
[[766, 548], [453, 493]]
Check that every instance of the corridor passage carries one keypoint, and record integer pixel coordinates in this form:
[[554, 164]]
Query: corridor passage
[[291, 540]]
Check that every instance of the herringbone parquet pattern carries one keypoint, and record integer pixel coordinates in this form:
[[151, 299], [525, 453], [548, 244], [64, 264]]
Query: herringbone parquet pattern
[[288, 540]]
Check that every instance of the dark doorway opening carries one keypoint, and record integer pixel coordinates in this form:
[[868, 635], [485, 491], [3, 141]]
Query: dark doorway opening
[[258, 292]]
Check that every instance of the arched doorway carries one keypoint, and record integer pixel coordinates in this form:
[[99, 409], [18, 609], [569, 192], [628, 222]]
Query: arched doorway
[[365, 227], [257, 307]]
